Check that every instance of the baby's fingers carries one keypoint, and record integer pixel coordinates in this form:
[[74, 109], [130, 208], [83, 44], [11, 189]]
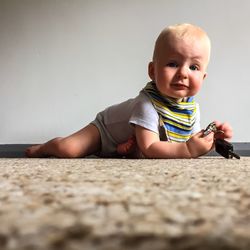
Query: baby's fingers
[[208, 138], [225, 130], [228, 131]]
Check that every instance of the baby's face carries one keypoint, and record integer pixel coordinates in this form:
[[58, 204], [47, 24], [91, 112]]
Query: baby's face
[[180, 68]]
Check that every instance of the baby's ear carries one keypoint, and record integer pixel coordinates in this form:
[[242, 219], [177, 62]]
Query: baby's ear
[[151, 71]]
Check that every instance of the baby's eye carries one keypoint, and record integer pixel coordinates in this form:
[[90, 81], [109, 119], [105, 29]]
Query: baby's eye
[[172, 65], [194, 67]]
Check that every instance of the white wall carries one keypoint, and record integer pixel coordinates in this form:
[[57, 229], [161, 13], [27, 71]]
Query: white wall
[[62, 61]]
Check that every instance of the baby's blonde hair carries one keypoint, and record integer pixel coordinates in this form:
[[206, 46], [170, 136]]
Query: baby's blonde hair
[[180, 31]]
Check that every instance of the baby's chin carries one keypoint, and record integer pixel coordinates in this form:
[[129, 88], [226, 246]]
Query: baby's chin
[[176, 98], [175, 94]]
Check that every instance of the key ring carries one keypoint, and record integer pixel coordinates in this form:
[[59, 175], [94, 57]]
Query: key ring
[[218, 131]]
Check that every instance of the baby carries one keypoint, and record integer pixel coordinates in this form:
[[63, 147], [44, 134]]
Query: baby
[[164, 119]]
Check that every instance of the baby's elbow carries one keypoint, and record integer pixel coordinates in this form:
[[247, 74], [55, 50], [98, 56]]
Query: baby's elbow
[[147, 152]]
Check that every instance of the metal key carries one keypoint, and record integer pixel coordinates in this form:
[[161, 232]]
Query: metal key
[[210, 128], [225, 149]]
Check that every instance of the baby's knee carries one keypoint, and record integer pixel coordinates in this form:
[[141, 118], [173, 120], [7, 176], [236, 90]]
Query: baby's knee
[[66, 148]]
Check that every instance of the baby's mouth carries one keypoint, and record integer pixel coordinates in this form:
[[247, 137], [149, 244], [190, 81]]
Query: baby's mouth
[[179, 86]]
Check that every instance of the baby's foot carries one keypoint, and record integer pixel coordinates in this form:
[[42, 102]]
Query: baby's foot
[[34, 151]]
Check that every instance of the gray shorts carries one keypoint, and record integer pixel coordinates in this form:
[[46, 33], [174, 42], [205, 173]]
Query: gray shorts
[[108, 145]]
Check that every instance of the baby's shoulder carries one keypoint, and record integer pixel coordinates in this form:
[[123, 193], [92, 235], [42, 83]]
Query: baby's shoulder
[[143, 98]]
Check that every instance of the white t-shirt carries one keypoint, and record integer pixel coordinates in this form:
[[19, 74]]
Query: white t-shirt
[[116, 123]]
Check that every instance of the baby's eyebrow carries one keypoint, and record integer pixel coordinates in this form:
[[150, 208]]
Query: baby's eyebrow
[[197, 60]]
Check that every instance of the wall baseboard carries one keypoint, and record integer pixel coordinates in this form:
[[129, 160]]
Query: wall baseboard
[[17, 150], [241, 148], [13, 150]]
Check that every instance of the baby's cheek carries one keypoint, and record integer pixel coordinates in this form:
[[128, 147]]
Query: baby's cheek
[[196, 87]]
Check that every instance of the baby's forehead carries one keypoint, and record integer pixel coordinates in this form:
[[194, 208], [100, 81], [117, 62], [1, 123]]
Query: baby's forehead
[[186, 31], [193, 46], [171, 40], [182, 34]]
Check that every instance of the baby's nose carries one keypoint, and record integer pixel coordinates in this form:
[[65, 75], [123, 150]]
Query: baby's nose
[[183, 72]]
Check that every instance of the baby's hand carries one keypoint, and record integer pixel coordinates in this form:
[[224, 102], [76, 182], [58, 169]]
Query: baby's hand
[[129, 149], [199, 144], [226, 128]]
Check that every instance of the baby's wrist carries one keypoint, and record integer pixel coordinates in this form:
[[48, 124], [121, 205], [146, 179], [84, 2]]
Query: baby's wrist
[[190, 148]]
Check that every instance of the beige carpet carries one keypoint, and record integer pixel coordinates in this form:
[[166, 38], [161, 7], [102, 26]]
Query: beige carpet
[[124, 204]]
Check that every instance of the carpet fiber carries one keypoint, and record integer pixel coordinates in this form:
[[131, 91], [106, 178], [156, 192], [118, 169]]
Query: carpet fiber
[[124, 204]]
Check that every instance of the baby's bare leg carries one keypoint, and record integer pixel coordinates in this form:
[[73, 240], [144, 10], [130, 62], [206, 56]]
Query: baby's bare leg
[[82, 143], [44, 150]]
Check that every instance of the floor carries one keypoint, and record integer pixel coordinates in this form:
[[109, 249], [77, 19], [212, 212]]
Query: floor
[[124, 204]]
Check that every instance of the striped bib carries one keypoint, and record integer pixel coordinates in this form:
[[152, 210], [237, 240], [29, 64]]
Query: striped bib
[[178, 118]]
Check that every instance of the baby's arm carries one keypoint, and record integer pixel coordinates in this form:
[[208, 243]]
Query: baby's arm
[[151, 146]]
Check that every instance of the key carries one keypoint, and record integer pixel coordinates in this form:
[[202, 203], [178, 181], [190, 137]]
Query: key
[[225, 149], [210, 128]]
